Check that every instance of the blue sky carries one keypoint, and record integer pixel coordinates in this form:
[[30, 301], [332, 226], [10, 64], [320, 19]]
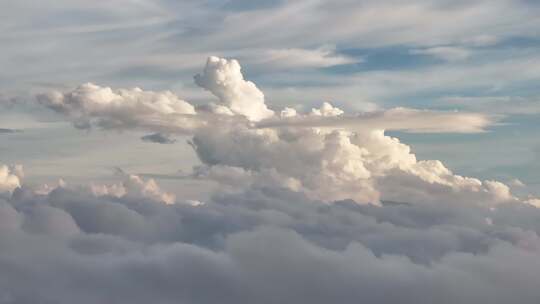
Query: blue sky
[[481, 56]]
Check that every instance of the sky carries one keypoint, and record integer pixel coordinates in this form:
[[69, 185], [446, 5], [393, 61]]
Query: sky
[[269, 151]]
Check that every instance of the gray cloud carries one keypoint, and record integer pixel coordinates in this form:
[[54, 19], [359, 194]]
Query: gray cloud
[[159, 138], [263, 245], [9, 131]]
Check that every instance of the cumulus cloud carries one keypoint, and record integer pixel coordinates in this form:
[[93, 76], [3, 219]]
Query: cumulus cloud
[[92, 105], [330, 155], [134, 186], [367, 166], [534, 202], [224, 79], [46, 188], [164, 112], [325, 153], [10, 177]]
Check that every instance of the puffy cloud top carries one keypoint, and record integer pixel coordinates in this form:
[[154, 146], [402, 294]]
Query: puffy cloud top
[[10, 178], [134, 186], [366, 166], [224, 79]]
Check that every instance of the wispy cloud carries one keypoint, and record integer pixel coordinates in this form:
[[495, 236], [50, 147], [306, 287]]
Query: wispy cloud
[[447, 53]]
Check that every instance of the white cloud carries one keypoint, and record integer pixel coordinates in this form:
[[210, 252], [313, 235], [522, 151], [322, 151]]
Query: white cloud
[[481, 40], [162, 112], [326, 153], [10, 178], [327, 110], [403, 119], [134, 187], [225, 80], [300, 58], [517, 183], [367, 166], [91, 105], [534, 202], [448, 53]]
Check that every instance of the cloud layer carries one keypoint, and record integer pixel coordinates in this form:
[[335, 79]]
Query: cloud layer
[[263, 245]]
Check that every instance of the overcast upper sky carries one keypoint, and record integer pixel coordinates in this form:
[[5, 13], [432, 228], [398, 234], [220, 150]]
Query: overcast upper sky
[[395, 138]]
